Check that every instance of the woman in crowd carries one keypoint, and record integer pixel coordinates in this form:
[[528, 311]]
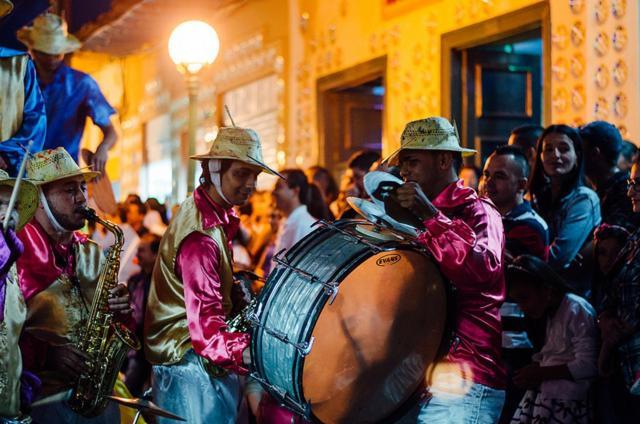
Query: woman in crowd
[[571, 210], [559, 378]]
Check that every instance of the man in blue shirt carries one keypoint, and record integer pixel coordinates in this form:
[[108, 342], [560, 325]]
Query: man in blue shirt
[[22, 110], [70, 95]]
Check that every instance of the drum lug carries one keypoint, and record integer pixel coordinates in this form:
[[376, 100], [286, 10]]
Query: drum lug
[[304, 348], [304, 410], [331, 290]]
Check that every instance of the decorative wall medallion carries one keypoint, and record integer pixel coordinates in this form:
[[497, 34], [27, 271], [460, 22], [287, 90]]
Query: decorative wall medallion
[[601, 11], [560, 68], [601, 108], [620, 105], [601, 44], [560, 100], [577, 65], [577, 97], [576, 6], [618, 8], [620, 72], [560, 37], [577, 33], [602, 77], [619, 38], [578, 121]]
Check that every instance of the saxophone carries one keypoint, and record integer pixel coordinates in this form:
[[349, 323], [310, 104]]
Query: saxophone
[[104, 341]]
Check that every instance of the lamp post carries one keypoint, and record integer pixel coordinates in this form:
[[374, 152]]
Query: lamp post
[[192, 46]]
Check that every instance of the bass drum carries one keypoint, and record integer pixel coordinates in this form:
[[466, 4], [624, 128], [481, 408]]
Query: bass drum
[[347, 324]]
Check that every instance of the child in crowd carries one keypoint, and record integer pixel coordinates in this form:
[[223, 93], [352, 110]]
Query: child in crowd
[[559, 378]]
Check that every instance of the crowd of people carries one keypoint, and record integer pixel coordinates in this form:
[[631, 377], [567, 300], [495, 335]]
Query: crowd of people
[[542, 247]]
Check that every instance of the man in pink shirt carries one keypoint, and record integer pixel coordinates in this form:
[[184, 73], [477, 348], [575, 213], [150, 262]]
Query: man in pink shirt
[[464, 235], [196, 360]]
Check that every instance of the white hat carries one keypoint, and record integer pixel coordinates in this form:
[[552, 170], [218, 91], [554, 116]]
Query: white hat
[[49, 35]]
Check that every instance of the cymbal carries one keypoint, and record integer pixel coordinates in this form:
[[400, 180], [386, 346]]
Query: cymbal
[[145, 406]]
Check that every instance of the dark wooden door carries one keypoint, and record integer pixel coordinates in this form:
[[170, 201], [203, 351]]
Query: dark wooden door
[[503, 91], [353, 121]]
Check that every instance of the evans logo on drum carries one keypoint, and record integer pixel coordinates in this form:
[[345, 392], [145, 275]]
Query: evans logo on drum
[[388, 260]]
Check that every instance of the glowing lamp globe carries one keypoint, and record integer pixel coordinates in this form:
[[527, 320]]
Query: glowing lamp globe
[[192, 45]]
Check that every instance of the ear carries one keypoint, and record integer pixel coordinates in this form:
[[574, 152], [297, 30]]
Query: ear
[[595, 151], [445, 160], [522, 184]]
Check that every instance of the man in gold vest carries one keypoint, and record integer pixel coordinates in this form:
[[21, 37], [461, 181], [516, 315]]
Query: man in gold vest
[[22, 111], [197, 362], [58, 272], [14, 393]]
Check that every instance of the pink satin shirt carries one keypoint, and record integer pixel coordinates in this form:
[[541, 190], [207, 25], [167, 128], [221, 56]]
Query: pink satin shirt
[[466, 238], [197, 264]]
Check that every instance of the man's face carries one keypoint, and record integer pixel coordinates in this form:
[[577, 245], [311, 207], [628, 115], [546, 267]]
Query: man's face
[[282, 195], [146, 256], [358, 179], [502, 180], [239, 182], [67, 200], [633, 192], [47, 62], [421, 167]]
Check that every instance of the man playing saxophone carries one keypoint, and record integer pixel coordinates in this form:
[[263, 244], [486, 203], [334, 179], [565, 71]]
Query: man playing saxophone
[[58, 272], [196, 359]]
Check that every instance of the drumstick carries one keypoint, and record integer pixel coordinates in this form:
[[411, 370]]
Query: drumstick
[[16, 188]]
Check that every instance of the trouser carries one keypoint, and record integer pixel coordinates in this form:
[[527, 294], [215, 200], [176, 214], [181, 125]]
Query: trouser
[[477, 404], [188, 391]]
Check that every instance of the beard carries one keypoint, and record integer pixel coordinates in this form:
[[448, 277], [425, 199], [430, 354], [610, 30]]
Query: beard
[[70, 221]]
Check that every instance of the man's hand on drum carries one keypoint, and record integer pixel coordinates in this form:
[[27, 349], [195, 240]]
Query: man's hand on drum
[[410, 196]]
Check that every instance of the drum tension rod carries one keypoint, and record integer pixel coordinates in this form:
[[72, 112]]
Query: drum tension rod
[[304, 348], [330, 287], [290, 403], [356, 239]]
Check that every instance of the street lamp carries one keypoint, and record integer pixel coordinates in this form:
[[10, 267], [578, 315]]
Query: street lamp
[[193, 45]]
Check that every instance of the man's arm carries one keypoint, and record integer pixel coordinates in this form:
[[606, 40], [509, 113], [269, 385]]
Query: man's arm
[[110, 137], [100, 111], [197, 264], [34, 125]]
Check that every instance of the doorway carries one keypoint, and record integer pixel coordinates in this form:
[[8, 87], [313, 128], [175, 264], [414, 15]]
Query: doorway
[[351, 113], [499, 77]]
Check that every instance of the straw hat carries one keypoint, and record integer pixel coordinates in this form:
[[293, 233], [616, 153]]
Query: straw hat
[[5, 7], [49, 35], [433, 133], [27, 201], [237, 143], [56, 164]]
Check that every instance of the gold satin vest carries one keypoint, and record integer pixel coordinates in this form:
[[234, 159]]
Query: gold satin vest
[[12, 72], [58, 314], [167, 336], [15, 312]]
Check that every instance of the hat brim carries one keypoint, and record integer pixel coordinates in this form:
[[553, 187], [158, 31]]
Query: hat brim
[[5, 7], [392, 158], [88, 176], [70, 45], [27, 201], [245, 160]]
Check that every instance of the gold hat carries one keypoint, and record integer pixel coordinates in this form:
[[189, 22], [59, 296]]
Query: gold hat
[[237, 143], [54, 165], [5, 7], [27, 201], [49, 35], [434, 133]]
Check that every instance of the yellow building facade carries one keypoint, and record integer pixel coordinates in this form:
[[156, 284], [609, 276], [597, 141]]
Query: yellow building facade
[[276, 54]]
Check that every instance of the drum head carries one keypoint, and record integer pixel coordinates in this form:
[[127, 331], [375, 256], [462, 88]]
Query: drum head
[[374, 343]]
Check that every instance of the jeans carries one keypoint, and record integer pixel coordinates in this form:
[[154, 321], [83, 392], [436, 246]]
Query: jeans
[[188, 391], [60, 412], [478, 405]]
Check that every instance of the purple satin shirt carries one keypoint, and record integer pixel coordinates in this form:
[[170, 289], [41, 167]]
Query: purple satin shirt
[[197, 263], [466, 238]]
